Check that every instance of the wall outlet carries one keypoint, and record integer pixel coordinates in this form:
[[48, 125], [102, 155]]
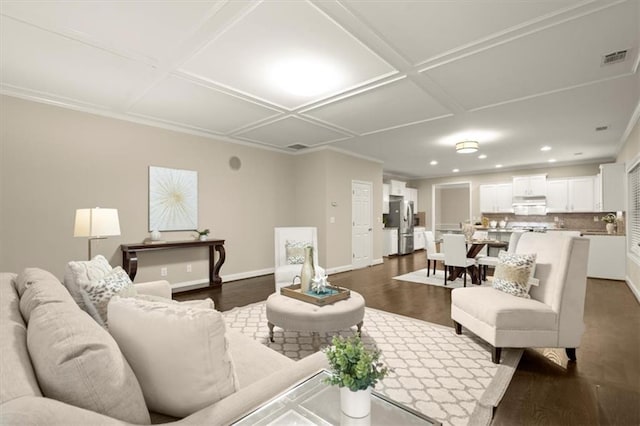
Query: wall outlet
[[188, 267], [163, 272], [595, 218], [556, 219]]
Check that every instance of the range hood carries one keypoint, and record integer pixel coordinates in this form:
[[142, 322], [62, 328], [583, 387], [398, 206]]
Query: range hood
[[533, 205], [536, 200]]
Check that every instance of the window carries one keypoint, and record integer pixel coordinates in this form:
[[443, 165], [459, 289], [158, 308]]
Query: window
[[634, 209]]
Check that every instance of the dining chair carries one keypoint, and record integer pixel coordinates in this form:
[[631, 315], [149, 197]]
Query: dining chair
[[481, 235], [455, 254], [432, 253]]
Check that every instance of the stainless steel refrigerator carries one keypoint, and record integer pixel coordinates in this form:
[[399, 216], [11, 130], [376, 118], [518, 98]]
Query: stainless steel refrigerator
[[401, 217]]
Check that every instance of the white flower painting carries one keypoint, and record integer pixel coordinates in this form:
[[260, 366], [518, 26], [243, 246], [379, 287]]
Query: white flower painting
[[173, 199]]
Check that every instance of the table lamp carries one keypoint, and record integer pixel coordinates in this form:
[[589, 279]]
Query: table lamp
[[96, 223]]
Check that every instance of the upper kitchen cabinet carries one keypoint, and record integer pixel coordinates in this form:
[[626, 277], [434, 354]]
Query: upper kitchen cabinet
[[529, 186], [571, 195], [397, 187], [611, 187], [385, 198], [496, 198], [412, 195]]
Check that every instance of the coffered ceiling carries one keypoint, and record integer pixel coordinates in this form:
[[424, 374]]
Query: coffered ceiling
[[396, 81]]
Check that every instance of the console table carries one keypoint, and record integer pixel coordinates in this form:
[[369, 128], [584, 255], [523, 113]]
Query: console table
[[130, 256]]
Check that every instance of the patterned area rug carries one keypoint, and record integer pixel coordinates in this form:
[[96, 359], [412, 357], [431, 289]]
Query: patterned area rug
[[448, 377], [437, 279]]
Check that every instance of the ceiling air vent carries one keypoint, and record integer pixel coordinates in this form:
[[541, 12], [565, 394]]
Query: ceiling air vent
[[601, 128], [614, 57], [297, 146]]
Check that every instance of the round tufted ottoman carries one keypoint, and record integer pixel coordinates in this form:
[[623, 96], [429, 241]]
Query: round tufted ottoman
[[293, 314]]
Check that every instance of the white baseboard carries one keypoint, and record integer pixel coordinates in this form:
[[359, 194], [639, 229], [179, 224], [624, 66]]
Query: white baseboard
[[202, 283], [633, 288], [338, 269], [377, 261]]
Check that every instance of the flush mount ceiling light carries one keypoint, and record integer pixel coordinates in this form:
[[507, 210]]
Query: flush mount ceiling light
[[467, 147], [305, 76]]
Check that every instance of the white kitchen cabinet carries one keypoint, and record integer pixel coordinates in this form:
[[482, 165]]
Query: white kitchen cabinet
[[571, 195], [390, 241], [581, 192], [606, 256], [419, 242], [412, 195], [612, 194], [397, 187], [529, 186], [557, 196], [385, 198], [496, 198]]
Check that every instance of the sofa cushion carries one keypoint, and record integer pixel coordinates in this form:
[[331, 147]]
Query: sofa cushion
[[81, 272], [98, 293], [16, 372], [513, 272], [178, 352], [502, 310], [76, 360], [39, 287]]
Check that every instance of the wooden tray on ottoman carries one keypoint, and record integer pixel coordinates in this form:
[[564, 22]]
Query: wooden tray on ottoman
[[295, 292]]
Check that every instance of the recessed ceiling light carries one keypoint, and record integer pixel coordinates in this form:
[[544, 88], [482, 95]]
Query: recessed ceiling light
[[305, 76], [498, 166], [552, 160], [545, 148], [482, 156], [455, 170], [433, 162]]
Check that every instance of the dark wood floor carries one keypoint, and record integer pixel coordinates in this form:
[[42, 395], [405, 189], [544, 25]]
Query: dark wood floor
[[602, 388]]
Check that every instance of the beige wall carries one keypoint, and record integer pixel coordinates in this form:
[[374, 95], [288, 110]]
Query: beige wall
[[425, 185], [55, 160], [454, 205], [630, 154]]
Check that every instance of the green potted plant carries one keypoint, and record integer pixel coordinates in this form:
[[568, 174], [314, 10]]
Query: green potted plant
[[202, 235], [610, 220], [356, 370]]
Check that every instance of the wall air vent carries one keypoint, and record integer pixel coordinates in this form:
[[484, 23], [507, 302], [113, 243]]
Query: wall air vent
[[298, 146], [614, 57]]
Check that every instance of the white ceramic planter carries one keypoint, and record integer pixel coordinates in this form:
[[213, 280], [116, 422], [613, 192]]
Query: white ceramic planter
[[203, 238], [355, 404], [611, 227]]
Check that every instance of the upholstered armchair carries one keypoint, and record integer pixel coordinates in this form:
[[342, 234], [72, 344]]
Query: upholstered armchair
[[551, 318], [288, 242]]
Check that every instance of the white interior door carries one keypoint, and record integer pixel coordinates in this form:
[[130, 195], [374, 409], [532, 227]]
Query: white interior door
[[362, 229]]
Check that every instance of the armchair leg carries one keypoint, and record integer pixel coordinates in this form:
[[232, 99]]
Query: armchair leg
[[571, 353], [458, 327], [495, 355]]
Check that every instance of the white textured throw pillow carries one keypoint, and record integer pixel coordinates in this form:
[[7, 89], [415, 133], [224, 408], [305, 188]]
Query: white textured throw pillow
[[99, 292], [295, 251], [82, 272], [513, 273], [178, 353]]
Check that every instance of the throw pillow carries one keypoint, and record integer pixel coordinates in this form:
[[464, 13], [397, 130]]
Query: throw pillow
[[179, 353], [295, 251], [98, 293], [78, 272], [513, 272], [76, 361]]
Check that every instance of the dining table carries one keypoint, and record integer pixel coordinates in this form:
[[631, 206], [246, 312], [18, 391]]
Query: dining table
[[474, 247]]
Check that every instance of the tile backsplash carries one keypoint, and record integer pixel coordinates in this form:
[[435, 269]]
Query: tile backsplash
[[570, 221]]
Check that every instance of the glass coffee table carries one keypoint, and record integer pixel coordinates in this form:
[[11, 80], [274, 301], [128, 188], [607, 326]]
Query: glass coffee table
[[314, 402]]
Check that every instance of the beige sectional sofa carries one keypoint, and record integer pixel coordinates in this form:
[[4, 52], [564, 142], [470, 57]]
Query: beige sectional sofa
[[35, 305]]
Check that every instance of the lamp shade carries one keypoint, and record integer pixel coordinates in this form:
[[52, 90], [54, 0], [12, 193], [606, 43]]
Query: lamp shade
[[467, 147], [96, 222]]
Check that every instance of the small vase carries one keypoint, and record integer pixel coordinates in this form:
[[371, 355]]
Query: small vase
[[308, 271], [155, 235], [611, 227], [355, 404]]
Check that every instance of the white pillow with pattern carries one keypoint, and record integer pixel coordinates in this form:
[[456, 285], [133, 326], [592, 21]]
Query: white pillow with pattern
[[295, 251], [98, 293], [513, 273]]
